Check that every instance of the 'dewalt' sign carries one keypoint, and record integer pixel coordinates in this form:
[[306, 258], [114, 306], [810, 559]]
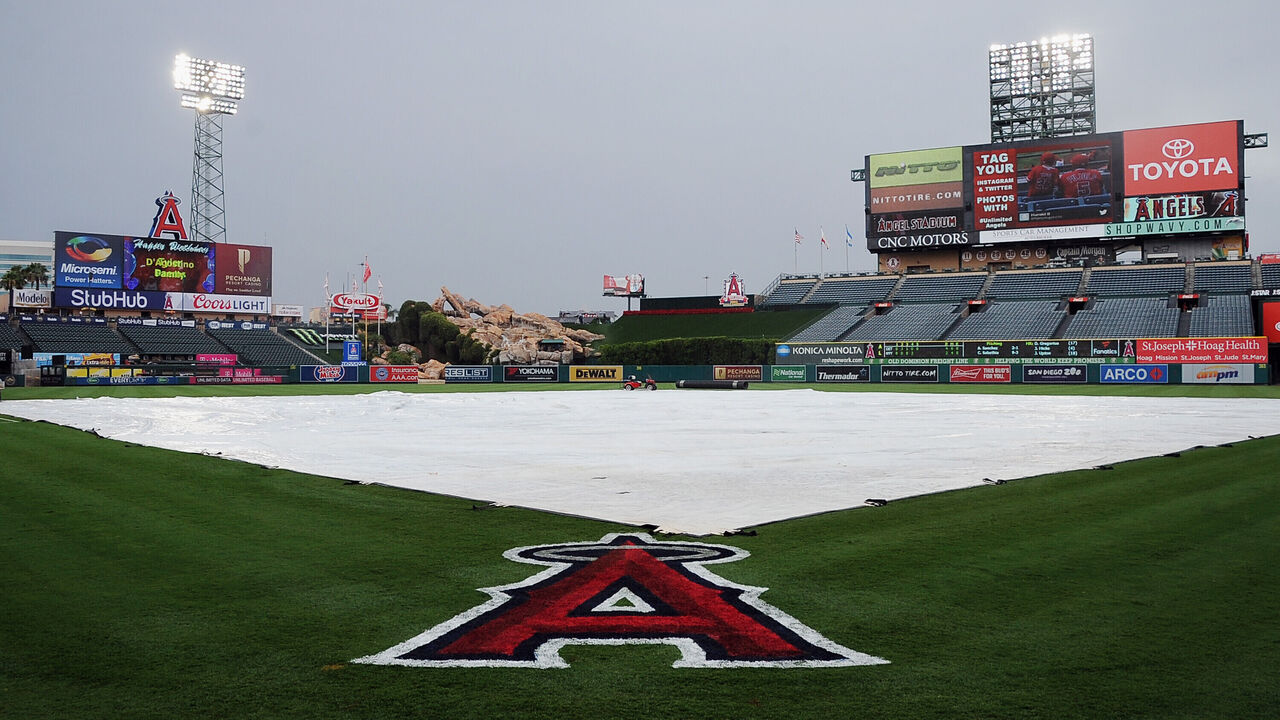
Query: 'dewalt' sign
[[595, 373]]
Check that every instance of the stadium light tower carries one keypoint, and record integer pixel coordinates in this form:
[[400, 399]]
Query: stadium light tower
[[1042, 89], [212, 89]]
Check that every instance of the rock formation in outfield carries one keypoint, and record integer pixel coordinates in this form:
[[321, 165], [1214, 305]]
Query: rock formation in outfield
[[514, 335]]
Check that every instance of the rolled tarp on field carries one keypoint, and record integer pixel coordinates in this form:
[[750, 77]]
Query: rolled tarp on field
[[712, 384]]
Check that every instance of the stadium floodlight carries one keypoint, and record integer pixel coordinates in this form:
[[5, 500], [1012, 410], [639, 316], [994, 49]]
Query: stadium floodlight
[[212, 89], [1042, 89], [208, 86]]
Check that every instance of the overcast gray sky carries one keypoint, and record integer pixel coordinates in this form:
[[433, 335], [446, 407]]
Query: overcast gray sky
[[519, 151]]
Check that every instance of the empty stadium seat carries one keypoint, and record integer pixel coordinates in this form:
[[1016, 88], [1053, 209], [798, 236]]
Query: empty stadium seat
[[789, 292], [940, 288], [1034, 284], [1235, 278], [1159, 280], [57, 337], [1222, 316], [1011, 320], [831, 326], [153, 340], [1119, 317], [926, 321], [263, 348], [852, 291]]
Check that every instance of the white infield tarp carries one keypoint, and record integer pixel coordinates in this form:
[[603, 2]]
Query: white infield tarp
[[690, 461]]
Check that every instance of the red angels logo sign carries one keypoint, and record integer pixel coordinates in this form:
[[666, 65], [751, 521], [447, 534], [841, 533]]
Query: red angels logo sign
[[168, 222], [625, 589], [733, 294]]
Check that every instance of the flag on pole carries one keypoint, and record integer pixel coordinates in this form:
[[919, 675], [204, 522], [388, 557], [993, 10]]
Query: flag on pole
[[799, 237], [848, 242], [822, 236], [379, 286], [368, 271], [326, 284]]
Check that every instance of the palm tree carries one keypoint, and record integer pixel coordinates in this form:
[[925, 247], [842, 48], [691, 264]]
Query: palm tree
[[37, 273], [15, 278]]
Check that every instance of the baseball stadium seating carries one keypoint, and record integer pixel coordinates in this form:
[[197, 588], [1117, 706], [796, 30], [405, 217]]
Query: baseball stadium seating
[[1027, 284], [1162, 279], [832, 325], [53, 337], [263, 348], [1012, 319], [1224, 278], [790, 292], [1222, 316], [171, 340], [1271, 277], [1118, 317], [925, 321], [940, 288], [852, 291], [9, 337]]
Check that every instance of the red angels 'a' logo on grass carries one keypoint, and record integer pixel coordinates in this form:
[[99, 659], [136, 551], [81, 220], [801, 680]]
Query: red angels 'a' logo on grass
[[625, 589]]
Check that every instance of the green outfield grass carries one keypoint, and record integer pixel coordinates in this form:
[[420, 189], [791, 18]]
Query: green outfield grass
[[145, 583]]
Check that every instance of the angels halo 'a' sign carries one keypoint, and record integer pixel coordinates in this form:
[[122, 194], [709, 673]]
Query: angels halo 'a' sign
[[625, 589]]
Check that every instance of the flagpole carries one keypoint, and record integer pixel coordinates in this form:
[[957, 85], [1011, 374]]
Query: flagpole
[[328, 310], [848, 243], [379, 316]]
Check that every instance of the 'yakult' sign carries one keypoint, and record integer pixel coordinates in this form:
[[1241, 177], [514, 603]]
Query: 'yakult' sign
[[344, 303]]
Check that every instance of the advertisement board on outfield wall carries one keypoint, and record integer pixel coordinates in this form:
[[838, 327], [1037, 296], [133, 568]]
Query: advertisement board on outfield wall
[[468, 374], [240, 380], [981, 374], [1217, 374], [530, 373], [788, 373], [829, 353], [595, 373], [1202, 350], [1064, 374], [843, 373], [393, 374], [737, 372], [1133, 374], [909, 373], [328, 374]]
